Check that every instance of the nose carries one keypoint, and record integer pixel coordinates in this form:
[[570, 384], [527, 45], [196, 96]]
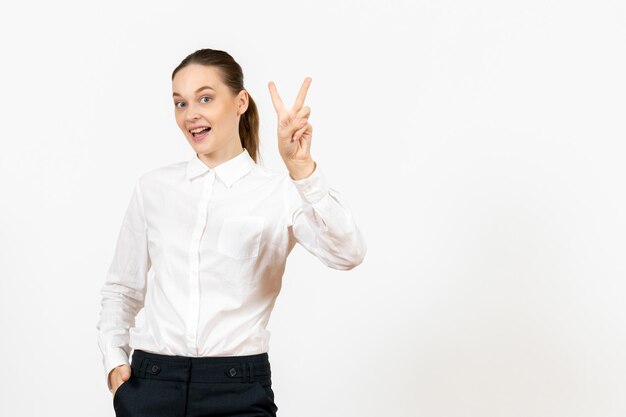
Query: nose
[[191, 113]]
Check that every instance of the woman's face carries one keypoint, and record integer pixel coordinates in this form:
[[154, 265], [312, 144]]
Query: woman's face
[[202, 100]]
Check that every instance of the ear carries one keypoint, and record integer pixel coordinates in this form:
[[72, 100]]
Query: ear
[[242, 102]]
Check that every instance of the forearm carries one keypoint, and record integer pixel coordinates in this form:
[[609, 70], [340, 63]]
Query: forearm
[[323, 223], [117, 316]]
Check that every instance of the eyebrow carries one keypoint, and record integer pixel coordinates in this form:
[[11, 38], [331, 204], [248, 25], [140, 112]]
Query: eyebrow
[[204, 87]]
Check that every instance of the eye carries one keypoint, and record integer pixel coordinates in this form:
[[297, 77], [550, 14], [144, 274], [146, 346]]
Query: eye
[[177, 104], [206, 97]]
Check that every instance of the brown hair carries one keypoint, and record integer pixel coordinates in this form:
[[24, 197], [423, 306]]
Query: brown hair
[[232, 76]]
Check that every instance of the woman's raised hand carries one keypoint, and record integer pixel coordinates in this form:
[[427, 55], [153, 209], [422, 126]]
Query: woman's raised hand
[[294, 131]]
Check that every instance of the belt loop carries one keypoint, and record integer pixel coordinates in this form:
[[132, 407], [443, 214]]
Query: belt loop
[[251, 371], [142, 367], [243, 370]]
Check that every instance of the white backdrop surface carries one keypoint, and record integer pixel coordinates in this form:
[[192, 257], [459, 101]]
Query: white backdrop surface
[[479, 144]]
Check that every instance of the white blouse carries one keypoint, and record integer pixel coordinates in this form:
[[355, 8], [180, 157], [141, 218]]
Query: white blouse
[[203, 252]]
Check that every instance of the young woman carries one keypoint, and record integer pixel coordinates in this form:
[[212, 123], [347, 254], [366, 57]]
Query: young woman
[[202, 249]]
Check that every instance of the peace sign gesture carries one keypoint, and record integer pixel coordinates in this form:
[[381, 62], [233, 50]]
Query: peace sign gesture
[[294, 131]]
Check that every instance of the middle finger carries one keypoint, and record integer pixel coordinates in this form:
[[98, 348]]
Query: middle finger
[[302, 94]]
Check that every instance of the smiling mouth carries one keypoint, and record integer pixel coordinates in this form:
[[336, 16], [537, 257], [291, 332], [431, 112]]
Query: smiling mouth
[[199, 132]]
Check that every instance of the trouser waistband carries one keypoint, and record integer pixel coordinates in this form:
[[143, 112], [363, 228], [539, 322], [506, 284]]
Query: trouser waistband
[[243, 368]]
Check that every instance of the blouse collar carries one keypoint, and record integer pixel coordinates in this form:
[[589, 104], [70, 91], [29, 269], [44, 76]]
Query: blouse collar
[[228, 171]]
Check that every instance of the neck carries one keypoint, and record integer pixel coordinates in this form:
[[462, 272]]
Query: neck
[[221, 155]]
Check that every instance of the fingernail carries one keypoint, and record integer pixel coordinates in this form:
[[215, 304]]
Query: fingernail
[[302, 121]]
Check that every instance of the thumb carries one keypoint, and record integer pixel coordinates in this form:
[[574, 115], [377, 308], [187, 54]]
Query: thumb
[[125, 372]]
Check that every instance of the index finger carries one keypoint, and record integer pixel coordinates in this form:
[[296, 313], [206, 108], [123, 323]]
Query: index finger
[[302, 94], [278, 103]]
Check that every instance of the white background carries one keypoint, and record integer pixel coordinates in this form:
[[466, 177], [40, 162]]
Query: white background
[[480, 146]]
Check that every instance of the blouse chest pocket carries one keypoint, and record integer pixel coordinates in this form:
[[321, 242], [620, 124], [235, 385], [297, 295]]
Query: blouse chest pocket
[[240, 236]]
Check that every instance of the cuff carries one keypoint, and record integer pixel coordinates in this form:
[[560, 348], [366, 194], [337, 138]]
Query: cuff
[[312, 188], [113, 359]]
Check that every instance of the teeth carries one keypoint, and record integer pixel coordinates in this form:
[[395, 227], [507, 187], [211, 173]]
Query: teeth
[[198, 130]]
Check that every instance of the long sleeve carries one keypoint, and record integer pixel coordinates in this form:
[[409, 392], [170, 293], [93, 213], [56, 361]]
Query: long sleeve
[[323, 223], [124, 288]]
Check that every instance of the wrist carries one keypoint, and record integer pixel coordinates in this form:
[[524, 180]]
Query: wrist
[[300, 169]]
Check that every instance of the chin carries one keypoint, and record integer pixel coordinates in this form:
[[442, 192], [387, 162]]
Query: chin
[[202, 148]]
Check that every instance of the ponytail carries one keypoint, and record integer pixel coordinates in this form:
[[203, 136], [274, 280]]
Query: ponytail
[[249, 129]]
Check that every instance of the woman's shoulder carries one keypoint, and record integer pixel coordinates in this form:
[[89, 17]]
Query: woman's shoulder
[[274, 176], [267, 172], [163, 173]]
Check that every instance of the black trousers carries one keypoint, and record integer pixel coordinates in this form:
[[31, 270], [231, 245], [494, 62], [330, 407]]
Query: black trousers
[[181, 386]]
